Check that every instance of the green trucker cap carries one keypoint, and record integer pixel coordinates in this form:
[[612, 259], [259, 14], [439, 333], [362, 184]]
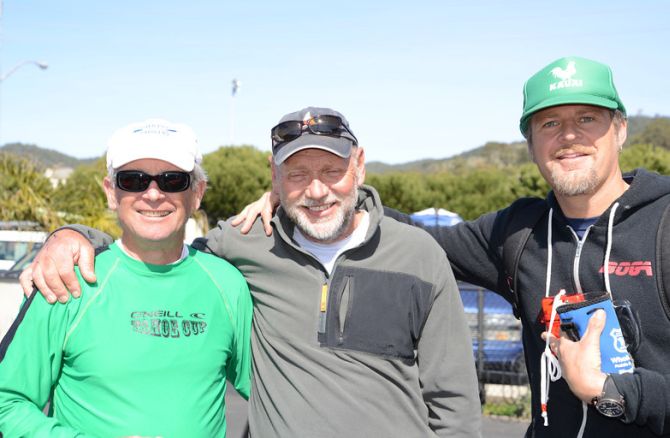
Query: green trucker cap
[[566, 81]]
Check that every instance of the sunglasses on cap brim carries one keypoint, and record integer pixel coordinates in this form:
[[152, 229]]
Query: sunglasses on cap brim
[[332, 126], [137, 181]]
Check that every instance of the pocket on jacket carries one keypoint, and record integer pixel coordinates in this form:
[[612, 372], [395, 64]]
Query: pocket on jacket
[[376, 312]]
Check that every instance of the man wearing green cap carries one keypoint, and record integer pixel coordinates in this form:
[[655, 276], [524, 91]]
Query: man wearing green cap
[[595, 231]]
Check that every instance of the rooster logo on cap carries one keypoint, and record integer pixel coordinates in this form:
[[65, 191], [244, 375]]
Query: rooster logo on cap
[[564, 74]]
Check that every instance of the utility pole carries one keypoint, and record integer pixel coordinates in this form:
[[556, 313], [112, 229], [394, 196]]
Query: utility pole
[[41, 64], [235, 86]]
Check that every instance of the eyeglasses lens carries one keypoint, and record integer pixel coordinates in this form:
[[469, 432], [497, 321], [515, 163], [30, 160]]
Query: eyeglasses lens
[[325, 125], [137, 181], [286, 131], [173, 181], [132, 181]]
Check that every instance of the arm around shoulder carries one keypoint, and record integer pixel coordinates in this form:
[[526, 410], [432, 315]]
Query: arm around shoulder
[[96, 237], [213, 242]]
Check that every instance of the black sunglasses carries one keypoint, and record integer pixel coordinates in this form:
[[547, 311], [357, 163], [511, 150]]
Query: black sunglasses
[[332, 126], [138, 181]]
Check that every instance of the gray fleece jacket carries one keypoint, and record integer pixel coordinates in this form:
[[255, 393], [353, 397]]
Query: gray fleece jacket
[[390, 354]]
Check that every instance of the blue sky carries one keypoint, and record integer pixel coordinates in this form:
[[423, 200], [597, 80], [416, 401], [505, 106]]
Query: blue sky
[[416, 79]]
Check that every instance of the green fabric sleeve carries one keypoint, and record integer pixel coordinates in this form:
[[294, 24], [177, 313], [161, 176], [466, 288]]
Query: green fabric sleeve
[[239, 366], [31, 367]]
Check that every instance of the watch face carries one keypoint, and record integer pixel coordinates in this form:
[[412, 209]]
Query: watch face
[[610, 408]]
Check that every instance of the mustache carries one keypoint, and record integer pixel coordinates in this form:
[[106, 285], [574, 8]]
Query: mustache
[[574, 149], [307, 202]]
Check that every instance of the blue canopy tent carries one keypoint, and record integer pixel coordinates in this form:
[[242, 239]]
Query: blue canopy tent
[[436, 217]]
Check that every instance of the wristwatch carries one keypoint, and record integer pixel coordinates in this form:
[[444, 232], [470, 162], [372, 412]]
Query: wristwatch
[[610, 403]]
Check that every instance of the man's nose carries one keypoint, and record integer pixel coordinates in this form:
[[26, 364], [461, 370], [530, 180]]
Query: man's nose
[[569, 131], [316, 189], [153, 193]]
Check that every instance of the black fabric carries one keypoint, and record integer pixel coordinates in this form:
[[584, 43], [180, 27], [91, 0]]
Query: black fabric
[[637, 262], [663, 259], [9, 336], [376, 312], [514, 241]]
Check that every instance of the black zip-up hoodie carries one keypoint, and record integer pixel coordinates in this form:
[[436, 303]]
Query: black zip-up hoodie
[[475, 252]]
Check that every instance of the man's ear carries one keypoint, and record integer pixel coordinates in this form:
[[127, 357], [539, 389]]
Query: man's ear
[[275, 173], [622, 133], [109, 193], [360, 165], [199, 194]]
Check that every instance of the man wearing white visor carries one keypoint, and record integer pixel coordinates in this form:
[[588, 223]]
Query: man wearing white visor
[[147, 348]]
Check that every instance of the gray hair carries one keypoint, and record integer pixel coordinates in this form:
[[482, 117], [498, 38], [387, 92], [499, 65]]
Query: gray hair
[[198, 175]]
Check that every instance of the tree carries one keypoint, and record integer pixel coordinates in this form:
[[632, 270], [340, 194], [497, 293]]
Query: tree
[[25, 192], [529, 182], [656, 133], [82, 199], [650, 157], [402, 191], [237, 176]]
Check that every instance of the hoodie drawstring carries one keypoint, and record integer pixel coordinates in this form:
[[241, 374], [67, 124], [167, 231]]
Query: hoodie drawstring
[[608, 249], [548, 362], [549, 365]]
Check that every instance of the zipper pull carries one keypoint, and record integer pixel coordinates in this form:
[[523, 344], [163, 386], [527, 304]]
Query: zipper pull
[[323, 307]]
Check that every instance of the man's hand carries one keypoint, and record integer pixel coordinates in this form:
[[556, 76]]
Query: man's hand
[[52, 271], [580, 361], [264, 207]]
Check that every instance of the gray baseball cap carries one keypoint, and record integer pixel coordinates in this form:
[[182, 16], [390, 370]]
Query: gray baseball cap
[[339, 145]]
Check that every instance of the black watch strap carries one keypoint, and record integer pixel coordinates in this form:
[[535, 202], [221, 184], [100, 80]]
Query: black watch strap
[[610, 403]]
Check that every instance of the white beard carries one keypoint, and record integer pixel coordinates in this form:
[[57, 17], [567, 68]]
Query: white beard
[[326, 230]]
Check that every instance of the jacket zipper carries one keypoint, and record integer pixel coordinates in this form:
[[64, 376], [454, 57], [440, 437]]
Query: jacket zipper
[[578, 254], [323, 307], [325, 288], [345, 300]]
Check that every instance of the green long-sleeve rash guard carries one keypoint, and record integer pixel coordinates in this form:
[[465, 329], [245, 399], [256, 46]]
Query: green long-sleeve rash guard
[[145, 351]]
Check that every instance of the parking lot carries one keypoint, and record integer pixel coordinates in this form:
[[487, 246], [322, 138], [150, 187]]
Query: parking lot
[[500, 360]]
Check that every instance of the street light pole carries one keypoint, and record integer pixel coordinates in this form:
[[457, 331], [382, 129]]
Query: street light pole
[[235, 86], [42, 65]]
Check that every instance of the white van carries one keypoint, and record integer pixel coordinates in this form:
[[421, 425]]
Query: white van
[[16, 240]]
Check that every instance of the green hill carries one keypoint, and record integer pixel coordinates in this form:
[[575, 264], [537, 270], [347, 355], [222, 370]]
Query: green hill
[[641, 129], [44, 157]]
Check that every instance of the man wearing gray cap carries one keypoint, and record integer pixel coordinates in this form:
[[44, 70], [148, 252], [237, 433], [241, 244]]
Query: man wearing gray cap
[[147, 348], [358, 328]]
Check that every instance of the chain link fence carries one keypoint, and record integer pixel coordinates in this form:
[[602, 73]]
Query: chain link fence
[[496, 343]]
